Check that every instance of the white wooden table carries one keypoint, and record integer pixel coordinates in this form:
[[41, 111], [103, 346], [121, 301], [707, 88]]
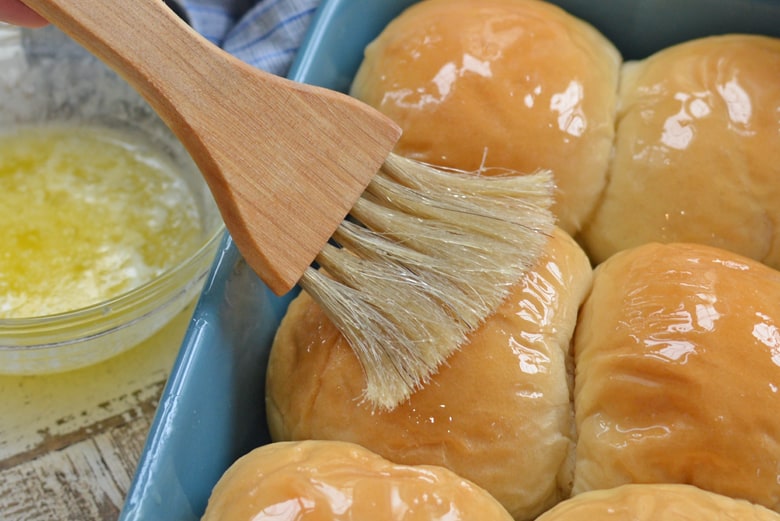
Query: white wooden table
[[70, 442]]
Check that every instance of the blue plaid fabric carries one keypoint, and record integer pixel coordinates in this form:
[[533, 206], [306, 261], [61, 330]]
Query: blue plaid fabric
[[262, 33]]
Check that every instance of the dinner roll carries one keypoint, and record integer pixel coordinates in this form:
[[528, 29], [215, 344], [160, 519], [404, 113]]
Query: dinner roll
[[697, 151], [517, 84], [498, 413], [677, 355], [655, 503], [331, 481]]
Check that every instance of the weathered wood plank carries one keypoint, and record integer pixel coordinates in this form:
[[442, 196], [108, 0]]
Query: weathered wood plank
[[70, 442], [87, 480]]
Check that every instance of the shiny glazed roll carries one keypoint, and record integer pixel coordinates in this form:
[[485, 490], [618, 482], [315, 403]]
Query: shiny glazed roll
[[697, 151], [656, 502], [336, 481], [677, 355], [498, 413], [517, 84]]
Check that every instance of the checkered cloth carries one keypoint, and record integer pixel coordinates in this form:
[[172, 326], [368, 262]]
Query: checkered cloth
[[262, 33]]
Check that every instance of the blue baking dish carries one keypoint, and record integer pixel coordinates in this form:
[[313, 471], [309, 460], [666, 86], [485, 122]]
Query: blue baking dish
[[212, 409]]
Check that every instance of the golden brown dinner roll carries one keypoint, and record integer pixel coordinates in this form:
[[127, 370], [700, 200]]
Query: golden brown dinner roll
[[499, 413], [517, 84], [331, 481], [697, 151], [677, 356], [655, 503]]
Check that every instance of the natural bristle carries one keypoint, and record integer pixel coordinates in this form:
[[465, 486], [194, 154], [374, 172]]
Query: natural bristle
[[427, 256]]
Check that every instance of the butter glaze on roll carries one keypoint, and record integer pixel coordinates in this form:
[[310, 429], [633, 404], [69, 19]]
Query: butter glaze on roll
[[656, 502], [697, 151], [517, 84], [677, 355], [499, 413], [335, 481]]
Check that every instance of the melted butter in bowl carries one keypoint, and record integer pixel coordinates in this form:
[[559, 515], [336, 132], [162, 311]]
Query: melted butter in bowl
[[107, 229], [105, 237], [90, 213]]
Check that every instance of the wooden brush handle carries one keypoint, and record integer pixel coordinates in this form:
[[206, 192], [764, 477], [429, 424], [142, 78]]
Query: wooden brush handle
[[284, 161]]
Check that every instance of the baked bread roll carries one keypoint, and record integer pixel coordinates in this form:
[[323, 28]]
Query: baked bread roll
[[656, 502], [499, 413], [331, 481], [697, 151], [516, 84], [677, 356]]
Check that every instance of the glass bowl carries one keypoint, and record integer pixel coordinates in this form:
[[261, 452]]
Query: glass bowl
[[46, 78]]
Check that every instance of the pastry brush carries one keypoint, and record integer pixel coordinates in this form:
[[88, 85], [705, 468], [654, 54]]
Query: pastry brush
[[411, 258]]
